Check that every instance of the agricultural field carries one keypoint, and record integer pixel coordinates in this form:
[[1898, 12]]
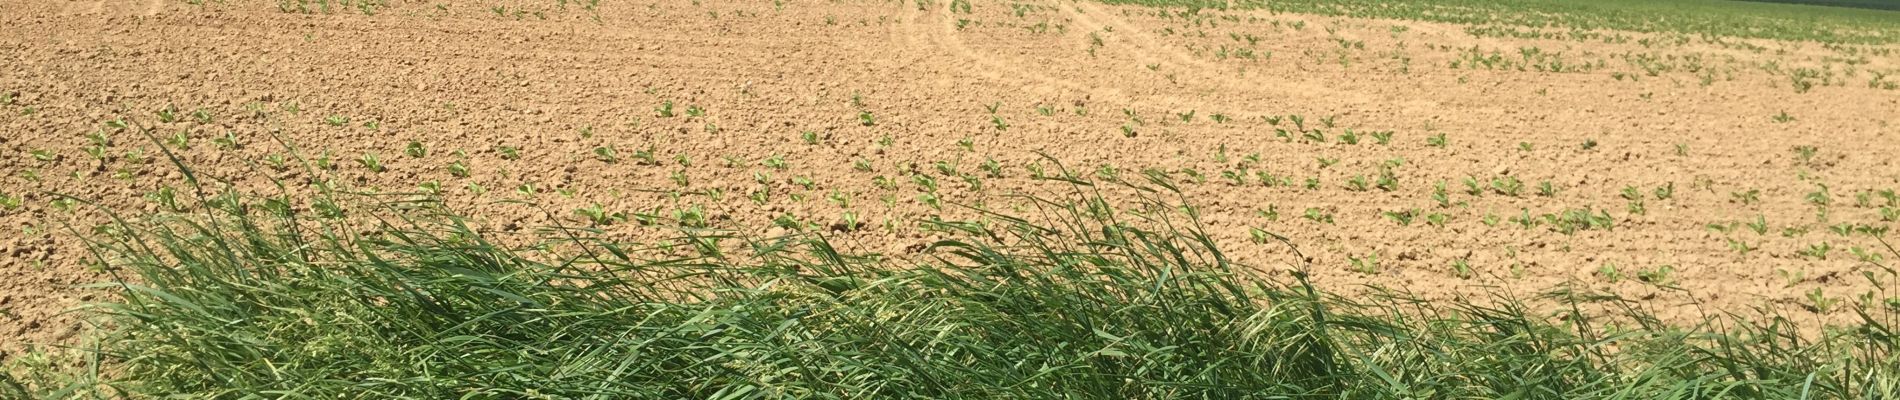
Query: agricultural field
[[1705, 162]]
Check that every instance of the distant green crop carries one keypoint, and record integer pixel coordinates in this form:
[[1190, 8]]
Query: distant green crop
[[1580, 19]]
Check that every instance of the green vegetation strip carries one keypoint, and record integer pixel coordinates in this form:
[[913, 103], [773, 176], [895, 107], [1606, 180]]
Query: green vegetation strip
[[243, 298], [1577, 19]]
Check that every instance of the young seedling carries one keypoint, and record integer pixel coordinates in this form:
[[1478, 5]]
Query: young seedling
[[679, 178], [167, 114], [1319, 216], [180, 140], [1440, 196], [1315, 136], [1349, 137], [1805, 154], [228, 141], [1666, 191], [1357, 183], [323, 161], [1272, 213], [1367, 264], [1816, 251], [1659, 276], [415, 150], [1609, 272], [10, 203], [1402, 217], [371, 162], [646, 156], [1382, 137], [1820, 197], [606, 154], [276, 162], [1507, 185], [599, 216], [1819, 302], [458, 169], [1387, 181]]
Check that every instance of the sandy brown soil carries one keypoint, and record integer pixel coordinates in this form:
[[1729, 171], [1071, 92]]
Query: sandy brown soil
[[556, 80]]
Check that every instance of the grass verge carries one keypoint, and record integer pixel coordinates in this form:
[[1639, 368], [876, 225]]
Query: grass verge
[[1081, 298]]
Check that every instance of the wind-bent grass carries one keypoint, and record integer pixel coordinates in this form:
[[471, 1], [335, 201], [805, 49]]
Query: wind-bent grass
[[245, 299]]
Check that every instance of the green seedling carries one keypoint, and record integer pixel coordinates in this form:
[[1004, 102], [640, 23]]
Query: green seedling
[[679, 178], [1508, 186], [1367, 264], [371, 162], [1382, 137], [646, 156], [599, 216], [1805, 154], [458, 169], [415, 150], [606, 154], [1461, 268]]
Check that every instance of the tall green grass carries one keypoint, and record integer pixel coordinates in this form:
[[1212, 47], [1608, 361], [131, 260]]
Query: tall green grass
[[1083, 297]]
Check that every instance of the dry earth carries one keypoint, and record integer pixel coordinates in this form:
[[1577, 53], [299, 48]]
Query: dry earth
[[1084, 83]]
